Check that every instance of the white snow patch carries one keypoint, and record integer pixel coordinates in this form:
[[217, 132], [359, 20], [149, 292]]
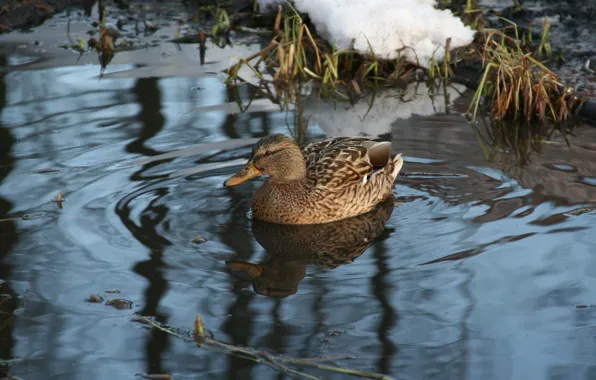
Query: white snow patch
[[388, 25]]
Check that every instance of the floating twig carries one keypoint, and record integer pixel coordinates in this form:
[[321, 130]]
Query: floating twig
[[275, 361], [59, 200], [164, 376], [9, 362], [158, 326]]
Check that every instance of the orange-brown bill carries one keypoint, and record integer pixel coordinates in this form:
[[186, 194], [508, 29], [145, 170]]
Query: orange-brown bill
[[249, 171]]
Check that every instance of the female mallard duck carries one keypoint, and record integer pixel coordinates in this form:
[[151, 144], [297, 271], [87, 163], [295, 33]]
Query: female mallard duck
[[322, 182]]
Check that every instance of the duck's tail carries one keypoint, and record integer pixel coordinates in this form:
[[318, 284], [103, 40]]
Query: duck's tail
[[394, 166]]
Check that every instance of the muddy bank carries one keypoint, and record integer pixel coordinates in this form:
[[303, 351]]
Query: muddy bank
[[571, 34], [22, 14]]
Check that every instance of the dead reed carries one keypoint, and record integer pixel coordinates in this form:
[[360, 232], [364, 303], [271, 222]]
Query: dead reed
[[516, 86], [295, 54]]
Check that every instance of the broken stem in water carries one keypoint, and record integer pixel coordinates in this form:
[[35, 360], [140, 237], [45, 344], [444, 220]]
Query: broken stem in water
[[278, 362]]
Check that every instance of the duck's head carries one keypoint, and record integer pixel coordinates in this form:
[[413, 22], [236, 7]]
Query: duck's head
[[277, 156]]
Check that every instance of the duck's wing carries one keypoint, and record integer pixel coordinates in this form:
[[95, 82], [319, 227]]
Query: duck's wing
[[343, 161]]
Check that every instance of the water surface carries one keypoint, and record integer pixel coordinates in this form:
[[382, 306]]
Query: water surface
[[482, 269]]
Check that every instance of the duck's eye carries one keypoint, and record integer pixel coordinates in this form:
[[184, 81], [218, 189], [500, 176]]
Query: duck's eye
[[268, 153]]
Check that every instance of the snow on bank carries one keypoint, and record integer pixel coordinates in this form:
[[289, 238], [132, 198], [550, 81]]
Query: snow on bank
[[389, 25]]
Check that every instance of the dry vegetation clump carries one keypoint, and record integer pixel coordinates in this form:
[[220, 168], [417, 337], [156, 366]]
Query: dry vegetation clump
[[516, 86], [296, 54]]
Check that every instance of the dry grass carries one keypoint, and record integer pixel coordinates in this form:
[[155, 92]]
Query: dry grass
[[295, 54], [517, 87]]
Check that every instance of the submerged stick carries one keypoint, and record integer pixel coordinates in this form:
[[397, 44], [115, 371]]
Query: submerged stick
[[158, 326], [324, 359], [278, 362], [9, 362], [240, 352], [347, 371]]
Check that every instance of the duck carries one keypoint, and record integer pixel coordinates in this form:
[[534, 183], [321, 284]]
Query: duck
[[321, 182]]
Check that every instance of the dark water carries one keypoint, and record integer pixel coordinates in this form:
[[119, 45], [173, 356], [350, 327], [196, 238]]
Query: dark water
[[481, 271]]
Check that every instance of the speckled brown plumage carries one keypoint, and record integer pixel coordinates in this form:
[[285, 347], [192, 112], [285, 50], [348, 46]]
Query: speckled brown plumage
[[322, 182]]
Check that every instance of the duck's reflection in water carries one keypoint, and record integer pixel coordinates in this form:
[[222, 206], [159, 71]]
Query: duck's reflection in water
[[291, 248]]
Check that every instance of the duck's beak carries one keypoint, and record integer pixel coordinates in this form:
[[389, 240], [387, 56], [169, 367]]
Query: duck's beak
[[248, 171]]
